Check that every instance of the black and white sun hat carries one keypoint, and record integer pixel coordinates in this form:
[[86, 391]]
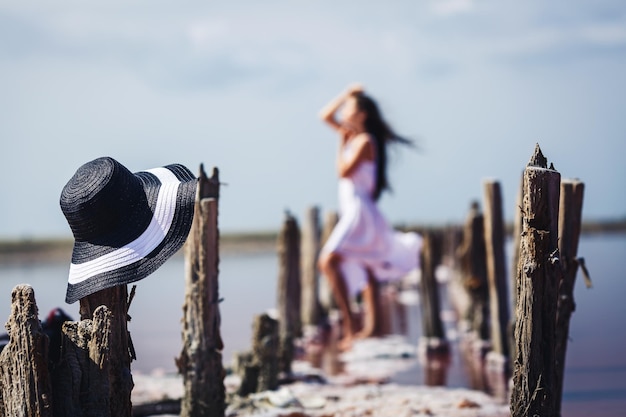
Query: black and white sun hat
[[125, 224]]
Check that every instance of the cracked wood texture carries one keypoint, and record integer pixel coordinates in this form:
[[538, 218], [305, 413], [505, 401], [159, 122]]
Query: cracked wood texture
[[534, 386], [25, 389], [200, 362], [81, 381], [120, 379]]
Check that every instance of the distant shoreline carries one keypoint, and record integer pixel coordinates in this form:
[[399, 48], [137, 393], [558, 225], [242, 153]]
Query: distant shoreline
[[57, 249], [233, 243]]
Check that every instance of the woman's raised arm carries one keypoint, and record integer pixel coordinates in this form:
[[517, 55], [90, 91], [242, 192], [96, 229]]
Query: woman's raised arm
[[327, 114]]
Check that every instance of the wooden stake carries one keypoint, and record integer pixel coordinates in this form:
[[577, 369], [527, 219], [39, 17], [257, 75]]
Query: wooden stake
[[200, 362], [516, 239], [327, 300], [265, 351], [431, 318], [570, 219], [25, 388], [81, 382], [496, 270], [473, 263], [310, 249], [534, 387], [120, 378], [289, 291]]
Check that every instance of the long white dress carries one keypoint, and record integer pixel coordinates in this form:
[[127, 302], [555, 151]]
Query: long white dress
[[363, 237]]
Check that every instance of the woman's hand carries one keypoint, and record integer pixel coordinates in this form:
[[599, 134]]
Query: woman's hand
[[354, 88], [327, 113]]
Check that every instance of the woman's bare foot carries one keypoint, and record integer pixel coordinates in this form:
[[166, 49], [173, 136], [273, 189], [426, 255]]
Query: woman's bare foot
[[366, 332], [345, 344]]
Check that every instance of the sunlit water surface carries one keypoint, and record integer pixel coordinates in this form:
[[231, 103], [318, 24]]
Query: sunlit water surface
[[595, 379]]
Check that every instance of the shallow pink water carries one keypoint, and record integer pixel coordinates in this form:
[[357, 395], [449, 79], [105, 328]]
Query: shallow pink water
[[595, 379]]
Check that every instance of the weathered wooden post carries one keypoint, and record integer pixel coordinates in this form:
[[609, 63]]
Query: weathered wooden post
[[265, 349], [496, 269], [289, 291], [516, 238], [452, 241], [310, 249], [433, 348], [120, 378], [258, 368], [327, 300], [433, 333], [473, 258], [534, 386], [570, 219], [25, 388], [81, 381], [200, 362], [497, 360]]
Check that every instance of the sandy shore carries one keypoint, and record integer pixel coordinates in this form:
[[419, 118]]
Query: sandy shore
[[337, 399], [358, 390]]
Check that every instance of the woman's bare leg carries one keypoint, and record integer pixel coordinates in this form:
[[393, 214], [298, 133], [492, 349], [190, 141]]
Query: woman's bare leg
[[330, 266], [371, 300]]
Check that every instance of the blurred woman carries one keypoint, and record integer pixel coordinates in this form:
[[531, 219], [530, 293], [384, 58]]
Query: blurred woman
[[362, 248]]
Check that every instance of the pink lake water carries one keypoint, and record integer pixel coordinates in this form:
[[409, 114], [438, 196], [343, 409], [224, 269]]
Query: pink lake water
[[595, 375]]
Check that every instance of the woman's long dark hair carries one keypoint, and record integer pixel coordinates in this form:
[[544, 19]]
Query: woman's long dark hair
[[383, 135]]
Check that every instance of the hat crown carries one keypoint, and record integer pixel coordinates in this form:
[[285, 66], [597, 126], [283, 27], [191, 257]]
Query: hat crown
[[100, 197]]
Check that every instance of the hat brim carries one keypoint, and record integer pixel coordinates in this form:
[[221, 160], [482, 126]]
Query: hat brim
[[170, 193]]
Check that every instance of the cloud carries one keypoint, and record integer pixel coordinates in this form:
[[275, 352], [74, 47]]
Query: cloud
[[559, 45], [609, 34], [206, 33], [451, 7]]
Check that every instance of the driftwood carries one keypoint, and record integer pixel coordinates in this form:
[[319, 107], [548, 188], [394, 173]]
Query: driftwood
[[534, 386], [289, 291], [200, 362], [25, 388]]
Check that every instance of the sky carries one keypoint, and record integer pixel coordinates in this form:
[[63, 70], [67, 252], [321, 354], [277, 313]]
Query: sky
[[238, 85]]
